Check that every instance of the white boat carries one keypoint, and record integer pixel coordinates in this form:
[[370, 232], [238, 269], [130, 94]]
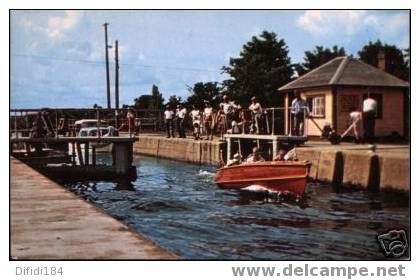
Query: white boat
[[102, 131]]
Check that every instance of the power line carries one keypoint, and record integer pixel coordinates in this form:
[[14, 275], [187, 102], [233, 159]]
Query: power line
[[100, 63]]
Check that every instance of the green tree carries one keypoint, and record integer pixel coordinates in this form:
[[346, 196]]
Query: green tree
[[203, 91], [262, 67], [156, 101], [395, 62], [143, 101], [173, 101], [317, 57]]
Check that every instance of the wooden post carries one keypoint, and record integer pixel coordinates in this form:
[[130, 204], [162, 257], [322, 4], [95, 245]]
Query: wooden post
[[93, 156], [229, 142], [16, 133], [79, 154], [286, 114], [122, 158], [272, 122], [108, 91], [275, 148], [73, 152], [56, 124], [117, 78], [87, 153]]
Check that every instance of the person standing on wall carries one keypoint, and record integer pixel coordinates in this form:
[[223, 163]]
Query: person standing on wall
[[169, 121], [181, 113], [229, 110], [369, 116], [297, 112], [208, 120]]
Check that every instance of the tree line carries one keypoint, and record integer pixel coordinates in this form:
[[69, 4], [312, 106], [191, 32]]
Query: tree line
[[264, 65]]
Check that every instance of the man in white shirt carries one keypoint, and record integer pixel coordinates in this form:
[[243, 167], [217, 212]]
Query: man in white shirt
[[169, 121], [196, 121], [297, 111], [208, 120], [229, 110], [181, 112], [369, 116], [256, 111]]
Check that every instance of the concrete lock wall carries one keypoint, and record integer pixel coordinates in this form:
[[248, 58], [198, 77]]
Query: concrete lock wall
[[199, 152], [360, 169]]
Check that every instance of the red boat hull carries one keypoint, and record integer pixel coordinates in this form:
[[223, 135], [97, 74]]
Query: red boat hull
[[280, 176]]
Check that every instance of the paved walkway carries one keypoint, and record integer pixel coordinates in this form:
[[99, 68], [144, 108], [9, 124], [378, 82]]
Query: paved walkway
[[49, 222]]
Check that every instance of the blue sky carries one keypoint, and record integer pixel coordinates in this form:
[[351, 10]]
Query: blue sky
[[57, 57]]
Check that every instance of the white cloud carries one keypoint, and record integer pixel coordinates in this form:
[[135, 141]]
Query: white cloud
[[326, 22], [396, 22], [58, 25], [141, 57]]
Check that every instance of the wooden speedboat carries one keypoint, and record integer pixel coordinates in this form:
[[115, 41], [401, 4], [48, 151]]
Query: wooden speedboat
[[279, 176]]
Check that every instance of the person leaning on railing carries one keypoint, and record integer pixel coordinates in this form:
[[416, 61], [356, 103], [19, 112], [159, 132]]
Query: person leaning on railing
[[256, 111], [297, 112]]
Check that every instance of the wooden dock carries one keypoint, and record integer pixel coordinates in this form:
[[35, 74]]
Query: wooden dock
[[49, 222], [82, 148]]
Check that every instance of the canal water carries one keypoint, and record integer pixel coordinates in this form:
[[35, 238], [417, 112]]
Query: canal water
[[176, 205]]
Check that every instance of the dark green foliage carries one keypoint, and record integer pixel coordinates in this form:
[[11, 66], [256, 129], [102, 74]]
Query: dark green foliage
[[173, 101], [396, 63], [317, 57], [263, 67], [204, 91], [153, 101]]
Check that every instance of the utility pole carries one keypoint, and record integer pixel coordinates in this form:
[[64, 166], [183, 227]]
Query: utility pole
[[117, 84], [108, 92], [117, 77]]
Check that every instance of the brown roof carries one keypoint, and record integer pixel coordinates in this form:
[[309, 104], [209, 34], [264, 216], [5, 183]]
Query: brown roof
[[345, 70]]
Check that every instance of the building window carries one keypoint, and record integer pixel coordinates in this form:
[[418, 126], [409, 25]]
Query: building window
[[316, 105], [379, 103]]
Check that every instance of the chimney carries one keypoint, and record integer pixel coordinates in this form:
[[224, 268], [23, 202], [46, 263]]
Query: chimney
[[381, 60]]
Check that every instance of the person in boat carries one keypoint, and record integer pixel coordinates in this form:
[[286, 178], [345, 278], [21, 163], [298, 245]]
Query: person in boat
[[196, 121], [280, 155], [235, 161], [169, 122], [255, 156], [285, 155], [208, 120], [297, 111], [256, 112]]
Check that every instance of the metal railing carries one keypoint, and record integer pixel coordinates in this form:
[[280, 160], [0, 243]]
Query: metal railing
[[61, 121]]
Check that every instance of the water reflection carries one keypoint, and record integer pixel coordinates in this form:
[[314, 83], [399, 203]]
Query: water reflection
[[177, 205], [124, 185]]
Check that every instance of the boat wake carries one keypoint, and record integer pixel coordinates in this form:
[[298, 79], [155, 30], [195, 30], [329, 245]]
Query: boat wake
[[280, 195], [205, 173]]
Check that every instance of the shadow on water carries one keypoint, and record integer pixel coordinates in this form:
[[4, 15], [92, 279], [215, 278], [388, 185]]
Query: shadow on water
[[177, 205]]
